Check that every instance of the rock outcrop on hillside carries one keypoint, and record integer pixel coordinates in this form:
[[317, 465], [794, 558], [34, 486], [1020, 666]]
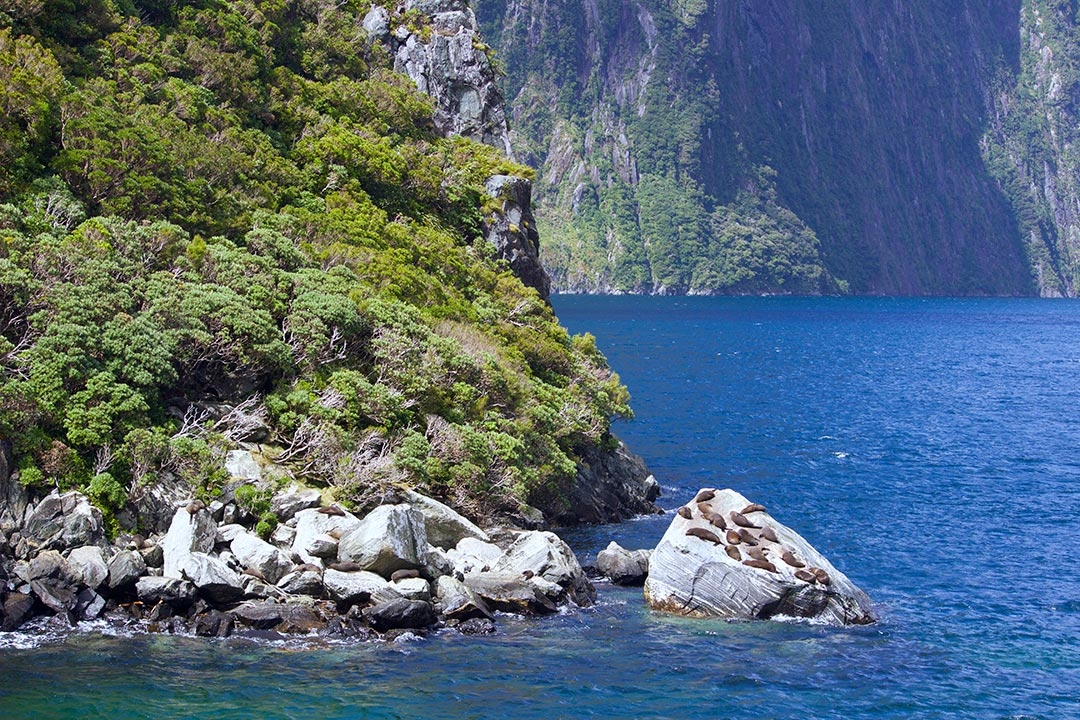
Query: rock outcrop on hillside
[[450, 62]]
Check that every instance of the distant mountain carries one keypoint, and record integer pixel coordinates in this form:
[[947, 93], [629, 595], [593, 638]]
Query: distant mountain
[[779, 146]]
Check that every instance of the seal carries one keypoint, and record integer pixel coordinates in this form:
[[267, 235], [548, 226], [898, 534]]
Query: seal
[[760, 565], [740, 520], [789, 557], [733, 553], [307, 567], [685, 512], [733, 537], [404, 574], [195, 506], [821, 575], [753, 507], [806, 576], [254, 573], [746, 537], [345, 566], [526, 574], [757, 553], [704, 535], [769, 534], [332, 510], [334, 533], [703, 495], [716, 520]]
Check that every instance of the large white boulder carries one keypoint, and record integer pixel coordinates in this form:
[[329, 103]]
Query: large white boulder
[[259, 555], [310, 524], [730, 559], [445, 526], [389, 538], [191, 531], [545, 555]]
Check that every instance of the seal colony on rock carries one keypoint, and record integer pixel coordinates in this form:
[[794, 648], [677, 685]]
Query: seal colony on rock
[[738, 573]]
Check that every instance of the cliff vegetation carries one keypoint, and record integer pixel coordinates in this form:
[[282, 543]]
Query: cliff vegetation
[[841, 143], [229, 222]]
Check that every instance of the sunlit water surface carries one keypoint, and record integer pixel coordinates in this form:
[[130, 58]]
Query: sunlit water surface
[[929, 447]]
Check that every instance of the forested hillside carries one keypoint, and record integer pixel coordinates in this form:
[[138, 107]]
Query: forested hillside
[[776, 146], [230, 221]]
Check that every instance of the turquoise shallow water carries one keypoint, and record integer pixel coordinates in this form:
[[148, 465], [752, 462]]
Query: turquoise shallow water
[[929, 447]]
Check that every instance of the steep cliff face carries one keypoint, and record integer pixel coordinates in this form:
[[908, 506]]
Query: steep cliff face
[[1032, 143], [447, 60], [706, 146]]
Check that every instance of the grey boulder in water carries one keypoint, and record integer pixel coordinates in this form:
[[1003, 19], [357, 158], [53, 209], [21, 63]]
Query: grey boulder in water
[[700, 570]]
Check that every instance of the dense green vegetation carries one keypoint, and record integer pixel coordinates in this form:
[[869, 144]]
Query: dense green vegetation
[[228, 221]]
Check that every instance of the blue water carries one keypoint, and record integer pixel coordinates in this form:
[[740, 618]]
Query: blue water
[[930, 448]]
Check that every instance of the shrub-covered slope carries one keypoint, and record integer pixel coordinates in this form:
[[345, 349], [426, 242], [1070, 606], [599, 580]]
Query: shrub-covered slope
[[229, 221]]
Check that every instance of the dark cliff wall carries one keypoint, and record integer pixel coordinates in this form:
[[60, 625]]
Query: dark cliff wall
[[865, 117]]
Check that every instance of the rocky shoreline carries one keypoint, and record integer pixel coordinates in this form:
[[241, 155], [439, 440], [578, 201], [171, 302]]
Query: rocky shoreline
[[411, 564], [414, 565]]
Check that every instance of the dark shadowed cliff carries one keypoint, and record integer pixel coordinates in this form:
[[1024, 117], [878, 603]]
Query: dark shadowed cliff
[[767, 146]]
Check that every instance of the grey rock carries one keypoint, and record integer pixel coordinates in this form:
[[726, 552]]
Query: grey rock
[[310, 523], [437, 562], [389, 538], [323, 546], [377, 22], [62, 522], [188, 533], [47, 564], [173, 591], [356, 587], [545, 555], [473, 556], [256, 588], [241, 464], [259, 555], [153, 556], [610, 486], [695, 577], [14, 499], [622, 566], [214, 623], [283, 617], [510, 593], [57, 594], [511, 227], [88, 605], [18, 608], [287, 505], [226, 533], [413, 588], [259, 615], [302, 582], [214, 579], [431, 7], [445, 527], [155, 504], [400, 613], [457, 601], [89, 566], [125, 568], [283, 536], [476, 626]]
